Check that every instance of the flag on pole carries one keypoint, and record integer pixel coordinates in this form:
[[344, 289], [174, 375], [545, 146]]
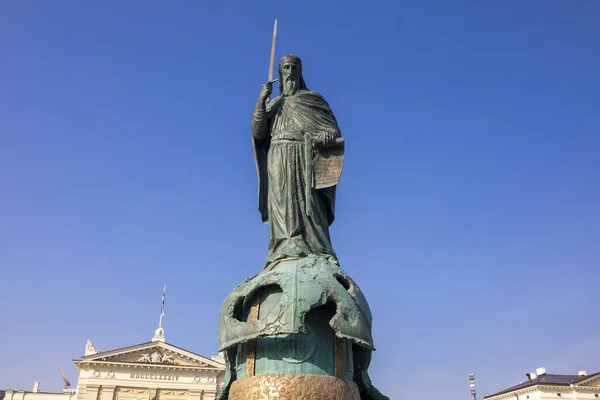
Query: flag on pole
[[162, 304]]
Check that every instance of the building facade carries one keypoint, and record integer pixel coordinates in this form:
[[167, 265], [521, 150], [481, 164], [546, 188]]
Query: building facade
[[154, 370], [542, 386]]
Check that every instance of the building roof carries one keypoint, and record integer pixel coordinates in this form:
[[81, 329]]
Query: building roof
[[136, 346], [124, 355], [546, 379]]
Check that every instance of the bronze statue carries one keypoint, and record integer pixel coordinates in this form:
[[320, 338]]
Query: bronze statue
[[298, 152], [301, 328]]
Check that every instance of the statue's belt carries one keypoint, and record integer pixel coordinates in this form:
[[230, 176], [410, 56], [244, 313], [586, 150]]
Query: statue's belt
[[287, 136]]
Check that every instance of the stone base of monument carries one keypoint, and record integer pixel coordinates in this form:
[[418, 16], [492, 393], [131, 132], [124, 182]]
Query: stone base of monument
[[293, 387], [301, 330]]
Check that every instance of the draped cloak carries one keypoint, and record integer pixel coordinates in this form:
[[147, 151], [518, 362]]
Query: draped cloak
[[293, 233]]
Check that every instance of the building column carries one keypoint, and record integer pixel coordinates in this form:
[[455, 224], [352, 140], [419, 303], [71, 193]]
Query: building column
[[91, 392], [195, 395], [210, 395], [108, 392]]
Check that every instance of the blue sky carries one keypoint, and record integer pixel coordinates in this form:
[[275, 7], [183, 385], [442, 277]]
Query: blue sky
[[468, 211]]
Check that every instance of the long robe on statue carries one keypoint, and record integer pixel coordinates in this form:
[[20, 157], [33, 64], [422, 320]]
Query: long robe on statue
[[279, 151]]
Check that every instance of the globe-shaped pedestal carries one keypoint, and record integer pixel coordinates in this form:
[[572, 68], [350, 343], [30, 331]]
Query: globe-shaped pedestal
[[301, 330]]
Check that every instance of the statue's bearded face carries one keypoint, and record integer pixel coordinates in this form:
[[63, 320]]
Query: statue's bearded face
[[290, 73]]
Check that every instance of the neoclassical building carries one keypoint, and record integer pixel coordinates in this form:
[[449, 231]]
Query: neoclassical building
[[154, 370], [542, 386]]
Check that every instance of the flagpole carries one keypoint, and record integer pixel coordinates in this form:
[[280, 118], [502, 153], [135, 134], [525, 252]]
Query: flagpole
[[162, 307]]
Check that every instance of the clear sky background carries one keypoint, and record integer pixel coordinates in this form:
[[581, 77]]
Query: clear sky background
[[468, 211]]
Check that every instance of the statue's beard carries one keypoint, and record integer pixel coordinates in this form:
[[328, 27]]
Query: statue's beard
[[290, 87]]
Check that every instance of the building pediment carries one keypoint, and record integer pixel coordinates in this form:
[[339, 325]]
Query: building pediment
[[154, 354], [590, 381]]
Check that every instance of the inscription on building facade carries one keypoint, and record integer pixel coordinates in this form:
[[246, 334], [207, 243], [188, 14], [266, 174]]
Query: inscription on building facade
[[155, 377]]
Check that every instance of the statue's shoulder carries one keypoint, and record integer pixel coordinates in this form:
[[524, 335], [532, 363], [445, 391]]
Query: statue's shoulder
[[311, 93], [310, 97], [272, 104]]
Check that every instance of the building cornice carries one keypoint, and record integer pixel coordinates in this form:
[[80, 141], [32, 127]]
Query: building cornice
[[133, 365]]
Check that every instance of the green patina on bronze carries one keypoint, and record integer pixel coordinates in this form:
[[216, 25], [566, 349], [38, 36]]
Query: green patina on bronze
[[302, 302], [312, 318], [283, 133], [303, 305], [305, 284]]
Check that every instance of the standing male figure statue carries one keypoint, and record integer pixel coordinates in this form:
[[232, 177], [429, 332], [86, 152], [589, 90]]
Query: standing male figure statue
[[284, 131], [301, 328]]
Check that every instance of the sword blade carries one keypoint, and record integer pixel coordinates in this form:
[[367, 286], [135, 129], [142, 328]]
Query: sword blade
[[272, 62]]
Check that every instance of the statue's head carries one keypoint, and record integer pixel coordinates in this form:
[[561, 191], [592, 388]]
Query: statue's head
[[290, 75]]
